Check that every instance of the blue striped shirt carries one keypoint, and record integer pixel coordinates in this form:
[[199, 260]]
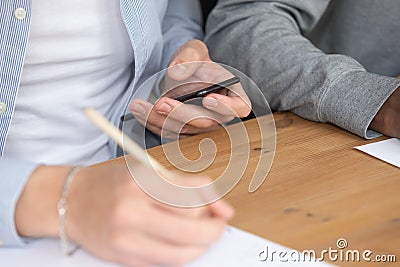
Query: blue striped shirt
[[154, 39], [13, 41]]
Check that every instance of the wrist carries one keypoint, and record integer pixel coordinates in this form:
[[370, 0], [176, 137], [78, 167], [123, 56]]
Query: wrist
[[387, 121], [36, 210], [76, 205], [62, 209]]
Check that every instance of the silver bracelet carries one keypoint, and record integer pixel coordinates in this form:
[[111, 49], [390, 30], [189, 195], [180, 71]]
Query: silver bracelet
[[66, 246]]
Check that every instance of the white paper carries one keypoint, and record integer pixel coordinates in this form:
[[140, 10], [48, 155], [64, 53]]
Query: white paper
[[235, 249], [388, 150]]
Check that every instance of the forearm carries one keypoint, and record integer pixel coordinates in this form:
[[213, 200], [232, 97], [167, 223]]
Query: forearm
[[265, 40], [36, 210]]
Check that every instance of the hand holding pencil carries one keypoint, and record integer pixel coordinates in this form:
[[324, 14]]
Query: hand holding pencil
[[111, 217]]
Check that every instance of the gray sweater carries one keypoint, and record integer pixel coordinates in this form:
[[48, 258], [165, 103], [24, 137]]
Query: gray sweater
[[328, 61]]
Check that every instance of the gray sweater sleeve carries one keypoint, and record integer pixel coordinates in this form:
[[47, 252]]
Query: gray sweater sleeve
[[266, 40]]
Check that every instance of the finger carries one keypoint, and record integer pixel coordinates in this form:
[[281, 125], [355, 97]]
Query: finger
[[144, 112], [162, 120], [183, 71], [158, 131], [140, 108], [222, 209], [140, 215], [212, 73], [167, 125], [163, 132], [191, 52], [194, 182], [171, 128], [227, 105], [143, 248], [183, 230], [185, 212], [190, 114], [162, 125], [219, 209], [207, 74]]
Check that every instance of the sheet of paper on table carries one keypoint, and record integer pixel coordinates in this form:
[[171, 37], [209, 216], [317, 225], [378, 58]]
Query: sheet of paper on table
[[388, 150], [235, 249]]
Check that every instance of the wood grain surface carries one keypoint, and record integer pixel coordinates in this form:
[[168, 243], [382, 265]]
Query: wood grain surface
[[319, 188]]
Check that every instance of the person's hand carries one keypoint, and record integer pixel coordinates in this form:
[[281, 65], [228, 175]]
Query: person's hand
[[387, 120], [112, 218], [171, 116]]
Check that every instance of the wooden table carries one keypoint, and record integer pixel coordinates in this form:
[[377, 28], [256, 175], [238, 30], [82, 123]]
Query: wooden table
[[319, 189]]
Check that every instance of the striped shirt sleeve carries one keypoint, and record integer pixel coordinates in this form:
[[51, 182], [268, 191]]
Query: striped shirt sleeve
[[14, 31], [182, 22]]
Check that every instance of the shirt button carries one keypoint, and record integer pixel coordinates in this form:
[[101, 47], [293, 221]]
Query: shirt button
[[20, 13], [3, 107]]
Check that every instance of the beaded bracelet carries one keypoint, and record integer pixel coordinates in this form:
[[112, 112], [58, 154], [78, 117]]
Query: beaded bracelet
[[66, 246]]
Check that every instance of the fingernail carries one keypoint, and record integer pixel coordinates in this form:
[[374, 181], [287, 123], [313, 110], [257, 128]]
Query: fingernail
[[230, 212], [180, 69], [164, 108], [139, 109], [210, 102]]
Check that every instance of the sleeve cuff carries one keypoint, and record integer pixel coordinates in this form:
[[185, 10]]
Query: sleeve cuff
[[14, 175], [354, 99]]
